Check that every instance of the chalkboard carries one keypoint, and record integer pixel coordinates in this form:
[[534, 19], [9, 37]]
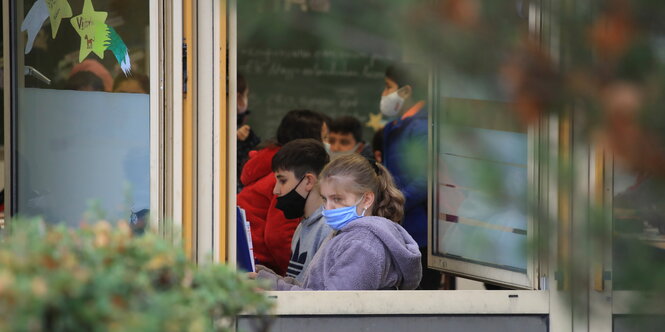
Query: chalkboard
[[321, 55]]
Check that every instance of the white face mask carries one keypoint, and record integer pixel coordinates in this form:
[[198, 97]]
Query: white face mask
[[335, 154], [326, 145], [391, 104]]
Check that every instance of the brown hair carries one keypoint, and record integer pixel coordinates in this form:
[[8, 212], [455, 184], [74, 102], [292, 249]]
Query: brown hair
[[369, 176]]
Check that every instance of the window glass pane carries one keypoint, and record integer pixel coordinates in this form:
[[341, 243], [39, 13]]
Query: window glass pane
[[481, 216], [482, 187], [635, 134], [82, 120], [639, 230]]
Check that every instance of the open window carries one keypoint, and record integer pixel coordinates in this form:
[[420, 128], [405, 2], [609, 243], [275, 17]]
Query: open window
[[331, 57]]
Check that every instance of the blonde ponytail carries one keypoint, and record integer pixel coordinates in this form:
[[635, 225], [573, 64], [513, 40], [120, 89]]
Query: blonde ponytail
[[388, 201], [369, 176]]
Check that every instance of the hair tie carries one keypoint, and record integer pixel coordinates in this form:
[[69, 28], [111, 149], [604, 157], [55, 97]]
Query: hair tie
[[377, 170]]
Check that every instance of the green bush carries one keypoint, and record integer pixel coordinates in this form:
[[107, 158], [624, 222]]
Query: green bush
[[101, 278]]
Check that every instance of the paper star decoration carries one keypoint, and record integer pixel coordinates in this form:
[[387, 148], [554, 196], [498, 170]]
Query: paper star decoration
[[57, 9], [375, 121], [91, 26], [33, 22]]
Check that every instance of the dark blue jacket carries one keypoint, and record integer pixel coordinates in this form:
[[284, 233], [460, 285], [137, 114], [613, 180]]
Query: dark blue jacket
[[405, 156]]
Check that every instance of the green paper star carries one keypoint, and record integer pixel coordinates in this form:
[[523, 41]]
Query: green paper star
[[57, 10], [91, 26]]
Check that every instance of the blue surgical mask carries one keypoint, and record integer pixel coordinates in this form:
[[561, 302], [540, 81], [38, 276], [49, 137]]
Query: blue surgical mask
[[340, 217]]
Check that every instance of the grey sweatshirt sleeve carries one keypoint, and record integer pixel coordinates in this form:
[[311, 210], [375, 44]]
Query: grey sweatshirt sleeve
[[278, 282], [359, 266]]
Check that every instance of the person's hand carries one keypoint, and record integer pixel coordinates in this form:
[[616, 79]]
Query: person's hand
[[252, 275], [243, 132]]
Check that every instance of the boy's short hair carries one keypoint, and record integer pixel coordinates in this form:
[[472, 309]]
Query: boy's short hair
[[409, 74], [347, 125], [301, 156], [299, 124]]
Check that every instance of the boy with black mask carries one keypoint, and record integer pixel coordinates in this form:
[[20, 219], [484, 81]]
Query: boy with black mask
[[296, 167]]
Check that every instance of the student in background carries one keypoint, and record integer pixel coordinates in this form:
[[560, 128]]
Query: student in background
[[368, 249], [247, 139], [136, 83], [271, 230], [296, 167], [346, 136], [405, 154], [377, 146], [89, 75]]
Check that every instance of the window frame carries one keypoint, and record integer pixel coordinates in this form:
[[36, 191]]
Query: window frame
[[161, 163]]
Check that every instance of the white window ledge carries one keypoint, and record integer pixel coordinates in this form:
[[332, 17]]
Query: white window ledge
[[410, 302]]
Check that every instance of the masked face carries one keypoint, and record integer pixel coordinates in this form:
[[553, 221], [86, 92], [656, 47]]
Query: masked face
[[391, 104], [337, 154], [342, 206], [340, 217], [292, 203], [341, 142]]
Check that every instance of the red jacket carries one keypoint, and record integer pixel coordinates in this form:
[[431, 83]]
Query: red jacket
[[271, 231]]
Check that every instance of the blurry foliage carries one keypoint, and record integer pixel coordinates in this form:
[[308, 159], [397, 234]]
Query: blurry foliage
[[609, 63], [100, 278], [600, 63]]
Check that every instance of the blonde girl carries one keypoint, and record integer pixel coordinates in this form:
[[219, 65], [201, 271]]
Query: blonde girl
[[368, 249]]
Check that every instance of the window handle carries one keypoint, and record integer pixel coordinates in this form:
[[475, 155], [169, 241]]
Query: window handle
[[31, 71]]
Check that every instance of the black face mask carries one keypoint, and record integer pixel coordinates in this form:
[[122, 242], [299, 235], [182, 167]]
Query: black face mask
[[292, 204]]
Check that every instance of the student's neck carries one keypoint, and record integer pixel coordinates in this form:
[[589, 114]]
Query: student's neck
[[313, 202]]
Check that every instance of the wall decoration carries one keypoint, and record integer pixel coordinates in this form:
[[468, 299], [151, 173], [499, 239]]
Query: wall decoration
[[97, 36], [91, 26], [37, 15], [57, 9], [119, 49], [376, 121], [33, 22]]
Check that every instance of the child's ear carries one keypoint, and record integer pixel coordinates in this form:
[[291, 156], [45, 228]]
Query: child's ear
[[405, 91], [369, 199], [311, 181]]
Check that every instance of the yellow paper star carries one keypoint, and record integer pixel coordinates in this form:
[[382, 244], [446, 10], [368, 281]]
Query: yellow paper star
[[91, 26], [375, 121], [57, 10]]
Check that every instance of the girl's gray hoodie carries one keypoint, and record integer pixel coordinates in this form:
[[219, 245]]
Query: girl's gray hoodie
[[369, 253]]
